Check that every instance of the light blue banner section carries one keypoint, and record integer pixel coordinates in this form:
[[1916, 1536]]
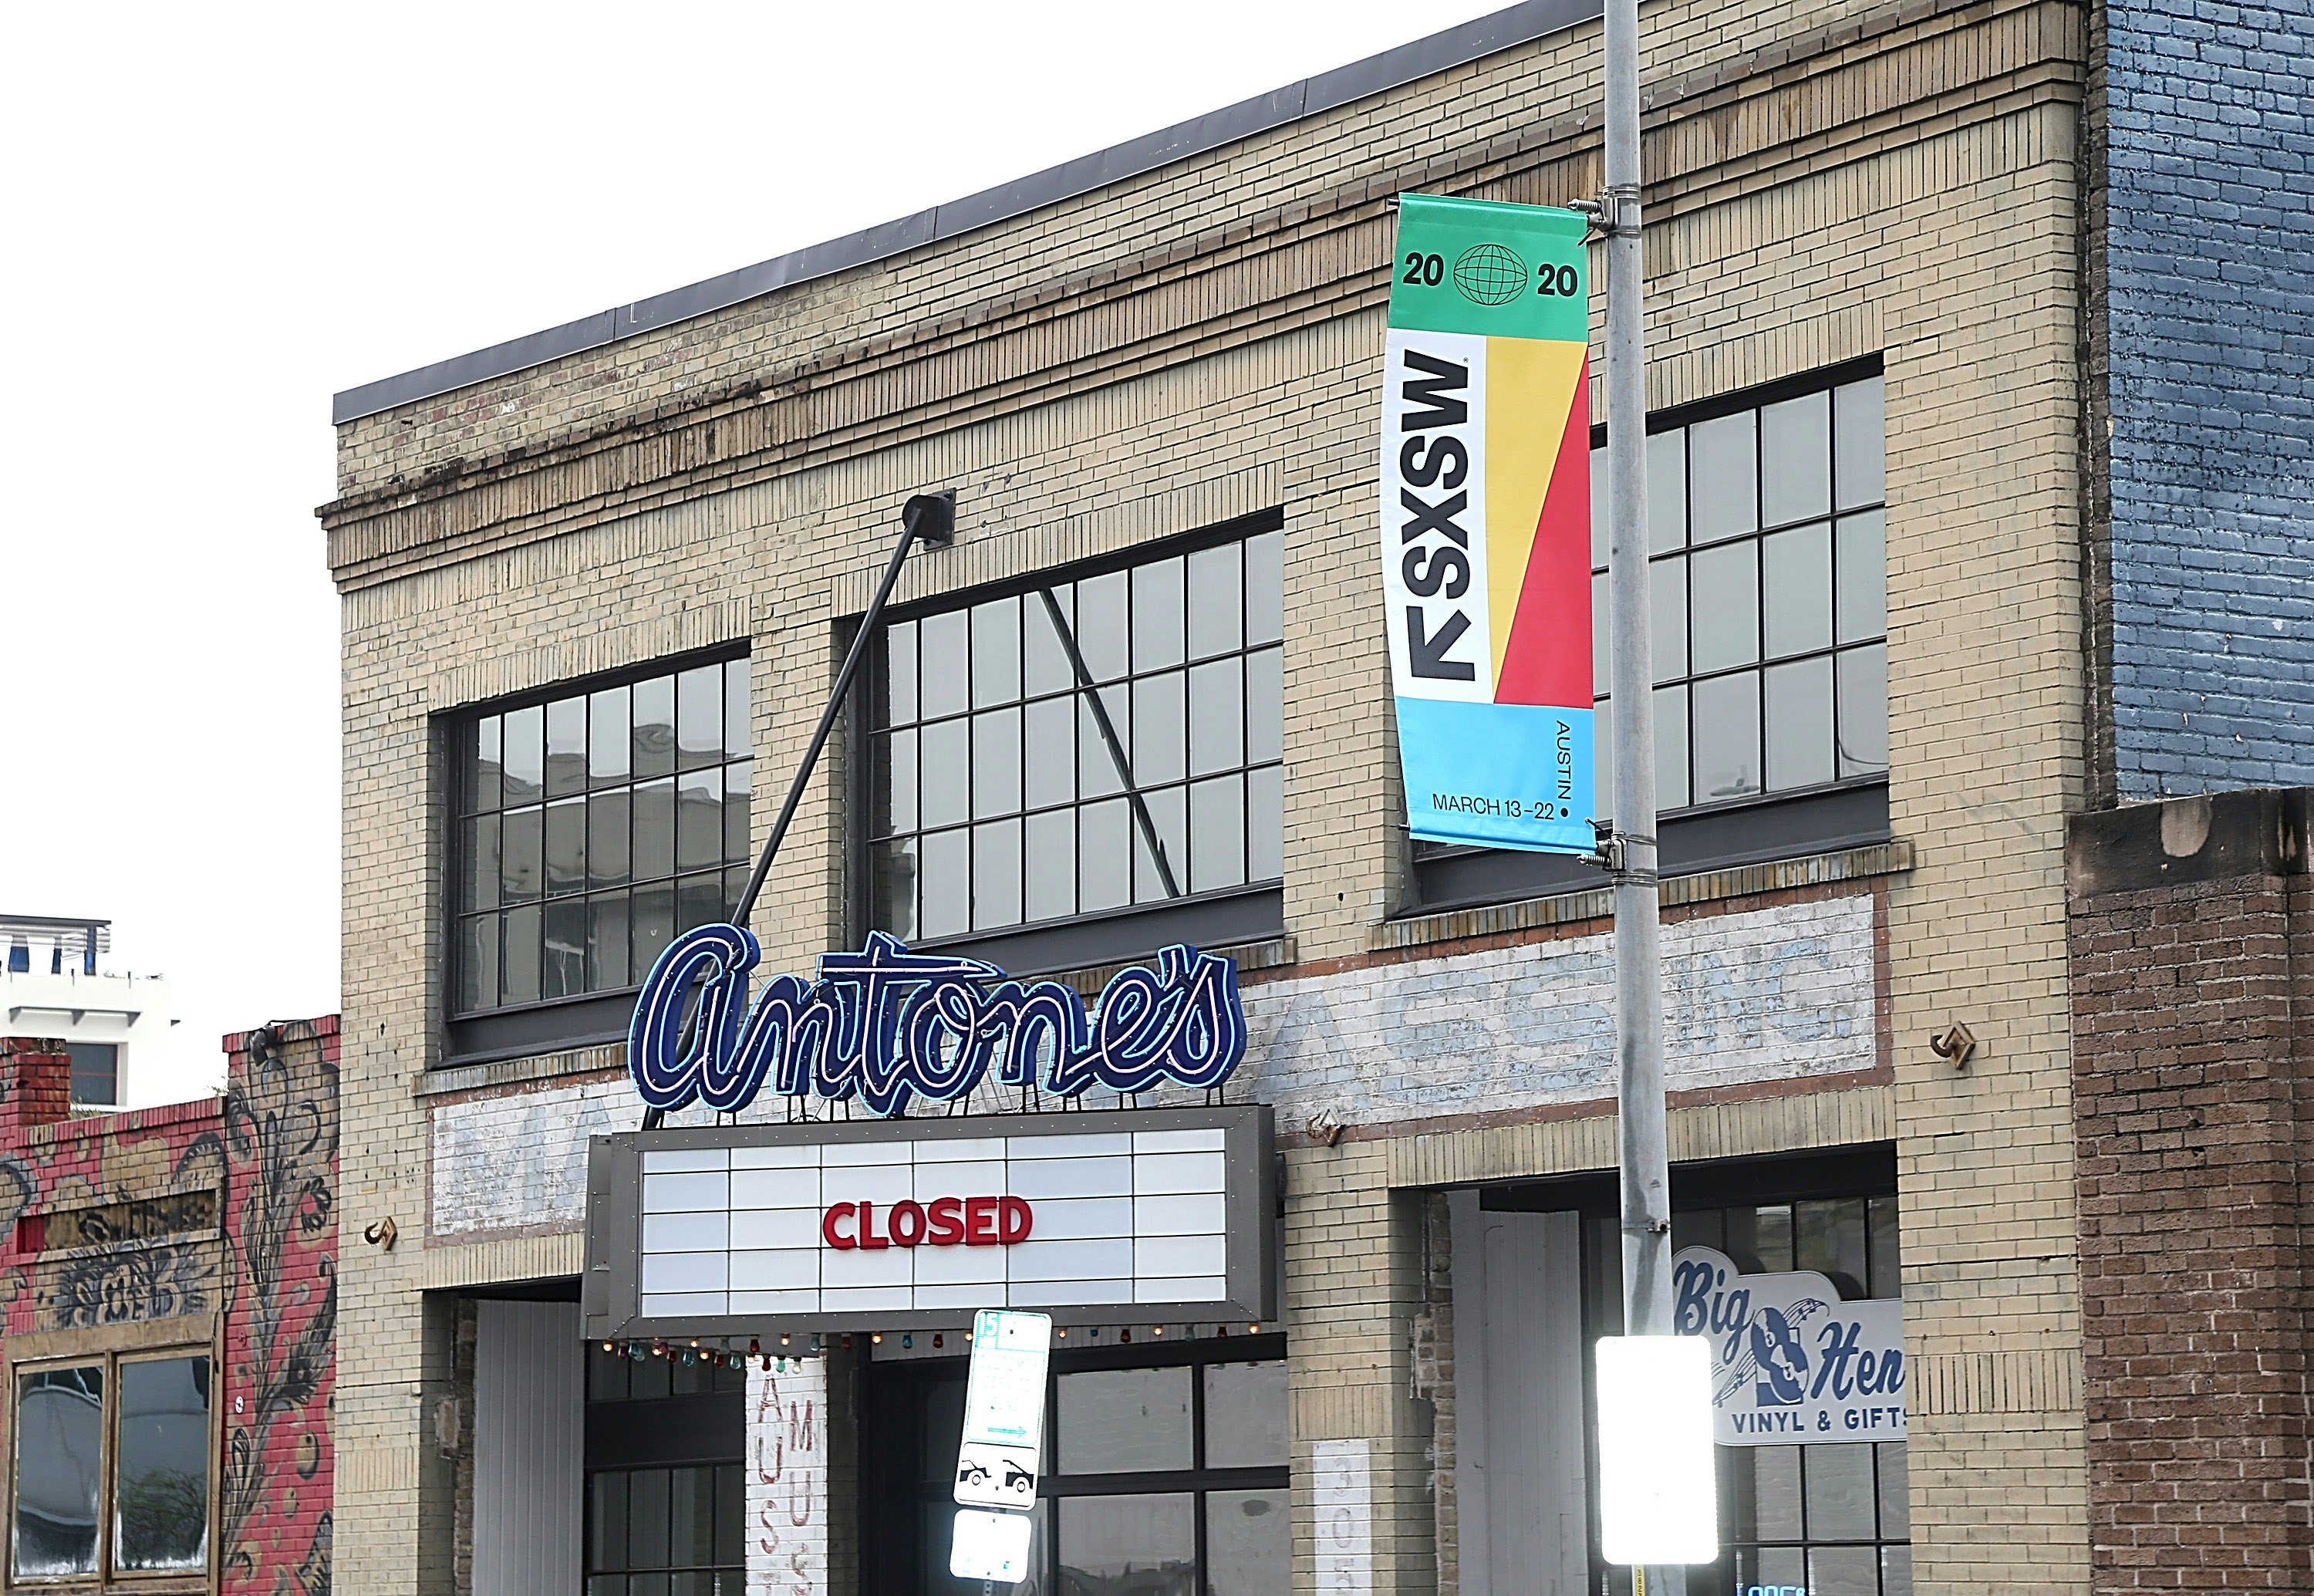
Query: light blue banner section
[[1498, 775]]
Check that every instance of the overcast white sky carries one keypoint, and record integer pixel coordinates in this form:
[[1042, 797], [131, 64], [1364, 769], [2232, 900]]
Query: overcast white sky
[[218, 215]]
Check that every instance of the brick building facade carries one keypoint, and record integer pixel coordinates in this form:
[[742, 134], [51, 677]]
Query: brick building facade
[[168, 1319], [2189, 935], [1869, 219], [2199, 224]]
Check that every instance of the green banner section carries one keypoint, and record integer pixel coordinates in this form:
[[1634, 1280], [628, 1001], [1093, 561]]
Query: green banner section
[[1495, 270]]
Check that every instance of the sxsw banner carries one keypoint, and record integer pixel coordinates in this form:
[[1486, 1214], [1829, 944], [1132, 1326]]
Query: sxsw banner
[[1486, 521]]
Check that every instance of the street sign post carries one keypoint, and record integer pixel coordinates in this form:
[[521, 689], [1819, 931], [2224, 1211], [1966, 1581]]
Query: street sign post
[[990, 1545], [1003, 1439]]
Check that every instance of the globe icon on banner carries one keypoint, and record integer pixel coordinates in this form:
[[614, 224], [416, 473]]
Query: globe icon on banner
[[1490, 274]]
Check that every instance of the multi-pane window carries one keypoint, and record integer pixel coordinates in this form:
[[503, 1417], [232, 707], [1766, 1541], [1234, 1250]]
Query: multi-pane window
[[1161, 1481], [1767, 556], [675, 1531], [1829, 1518], [1091, 744], [113, 1468], [670, 1529], [593, 827]]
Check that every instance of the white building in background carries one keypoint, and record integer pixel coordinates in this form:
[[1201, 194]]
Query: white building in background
[[115, 1026]]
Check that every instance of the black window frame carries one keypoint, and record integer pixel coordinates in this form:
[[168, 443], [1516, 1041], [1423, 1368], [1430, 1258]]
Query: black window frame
[[703, 1427], [892, 1493], [1251, 912], [1847, 811], [581, 1019]]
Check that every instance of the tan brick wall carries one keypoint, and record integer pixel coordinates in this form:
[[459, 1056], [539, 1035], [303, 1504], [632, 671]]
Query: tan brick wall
[[1833, 180]]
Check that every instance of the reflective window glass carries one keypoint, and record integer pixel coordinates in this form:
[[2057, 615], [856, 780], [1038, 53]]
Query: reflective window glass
[[1796, 459], [1862, 679], [618, 825], [1841, 1494], [1116, 1421], [1160, 684], [1723, 474], [1795, 590], [1249, 1542], [1245, 1414], [1128, 1546], [1724, 721], [161, 1478], [610, 737], [1748, 569], [566, 746], [1799, 708], [59, 1453], [1727, 625], [995, 652], [944, 664], [113, 1467], [898, 679], [1861, 444], [1216, 601]]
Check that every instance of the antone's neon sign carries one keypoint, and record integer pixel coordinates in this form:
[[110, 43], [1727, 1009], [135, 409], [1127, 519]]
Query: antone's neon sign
[[884, 1027]]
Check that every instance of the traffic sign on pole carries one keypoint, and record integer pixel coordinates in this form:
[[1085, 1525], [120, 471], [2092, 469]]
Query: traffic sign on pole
[[1003, 1439]]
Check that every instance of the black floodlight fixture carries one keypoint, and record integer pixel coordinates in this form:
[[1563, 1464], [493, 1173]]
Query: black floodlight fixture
[[931, 517]]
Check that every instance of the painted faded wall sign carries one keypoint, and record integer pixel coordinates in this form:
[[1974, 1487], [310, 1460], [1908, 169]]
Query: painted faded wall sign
[[1768, 994], [787, 1479]]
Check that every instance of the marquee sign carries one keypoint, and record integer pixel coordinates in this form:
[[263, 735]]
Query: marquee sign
[[1791, 1363], [1098, 1217], [884, 1027]]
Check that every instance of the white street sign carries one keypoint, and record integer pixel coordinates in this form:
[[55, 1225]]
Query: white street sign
[[1005, 1391], [991, 1545], [996, 1476]]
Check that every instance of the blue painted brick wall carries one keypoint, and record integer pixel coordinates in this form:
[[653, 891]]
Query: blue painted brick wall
[[2210, 264]]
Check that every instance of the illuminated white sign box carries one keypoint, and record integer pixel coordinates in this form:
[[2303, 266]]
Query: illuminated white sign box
[[1091, 1216]]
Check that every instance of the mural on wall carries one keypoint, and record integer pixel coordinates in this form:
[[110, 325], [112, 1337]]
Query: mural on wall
[[228, 1207], [1763, 994], [276, 1153]]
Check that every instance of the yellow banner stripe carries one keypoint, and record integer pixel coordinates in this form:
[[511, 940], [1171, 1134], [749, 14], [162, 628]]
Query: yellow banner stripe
[[1530, 383]]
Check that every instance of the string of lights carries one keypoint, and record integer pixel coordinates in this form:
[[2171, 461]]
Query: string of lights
[[789, 1357]]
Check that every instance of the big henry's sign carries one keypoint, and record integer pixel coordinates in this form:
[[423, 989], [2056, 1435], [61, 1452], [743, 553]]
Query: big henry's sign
[[1791, 1363]]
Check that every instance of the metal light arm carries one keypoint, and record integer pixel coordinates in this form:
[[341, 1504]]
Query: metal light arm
[[929, 518]]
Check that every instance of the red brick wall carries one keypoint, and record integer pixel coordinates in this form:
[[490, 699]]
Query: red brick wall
[[2189, 1128], [268, 1150], [35, 1085]]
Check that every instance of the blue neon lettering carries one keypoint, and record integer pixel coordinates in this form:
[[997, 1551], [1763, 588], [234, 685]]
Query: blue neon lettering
[[886, 1027]]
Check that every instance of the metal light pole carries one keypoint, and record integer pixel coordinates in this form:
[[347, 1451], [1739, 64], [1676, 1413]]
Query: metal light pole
[[1645, 1155]]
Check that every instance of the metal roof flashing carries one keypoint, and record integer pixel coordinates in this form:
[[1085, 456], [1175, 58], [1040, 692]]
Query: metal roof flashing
[[1327, 91]]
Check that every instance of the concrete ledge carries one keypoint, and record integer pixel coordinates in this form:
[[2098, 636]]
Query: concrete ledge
[[2210, 838], [1568, 908], [1275, 954], [1802, 1113], [515, 1071]]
